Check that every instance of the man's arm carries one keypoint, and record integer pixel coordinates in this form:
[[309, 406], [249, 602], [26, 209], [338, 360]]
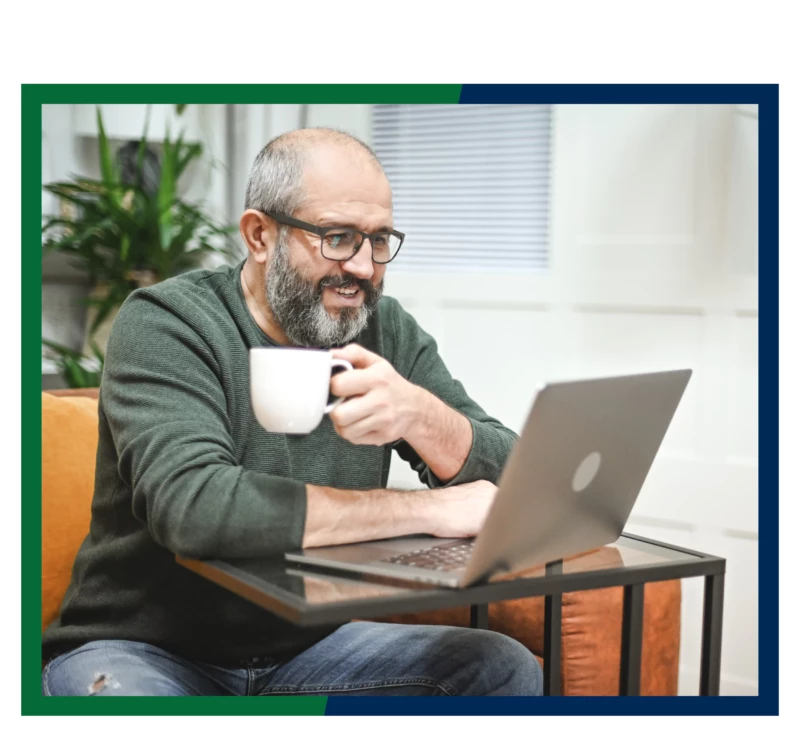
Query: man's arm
[[336, 516], [441, 436], [167, 416]]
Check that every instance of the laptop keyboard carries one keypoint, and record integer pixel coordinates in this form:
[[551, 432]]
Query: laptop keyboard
[[446, 557]]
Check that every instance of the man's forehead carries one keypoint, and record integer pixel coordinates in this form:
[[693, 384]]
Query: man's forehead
[[346, 182], [338, 162]]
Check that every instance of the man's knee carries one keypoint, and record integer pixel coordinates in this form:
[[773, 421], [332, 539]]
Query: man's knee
[[81, 674], [112, 668], [492, 663]]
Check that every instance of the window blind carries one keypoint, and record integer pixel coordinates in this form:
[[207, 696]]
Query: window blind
[[471, 184]]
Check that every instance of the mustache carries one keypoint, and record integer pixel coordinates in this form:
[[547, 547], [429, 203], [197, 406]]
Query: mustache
[[344, 282]]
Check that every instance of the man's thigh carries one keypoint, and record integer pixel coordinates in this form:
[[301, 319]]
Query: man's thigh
[[125, 668], [369, 658]]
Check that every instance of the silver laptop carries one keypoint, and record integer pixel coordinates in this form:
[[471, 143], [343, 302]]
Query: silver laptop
[[569, 486]]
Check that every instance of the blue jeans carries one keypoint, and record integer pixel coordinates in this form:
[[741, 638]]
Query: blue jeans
[[360, 658]]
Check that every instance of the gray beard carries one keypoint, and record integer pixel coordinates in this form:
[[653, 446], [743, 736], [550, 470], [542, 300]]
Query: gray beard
[[296, 304]]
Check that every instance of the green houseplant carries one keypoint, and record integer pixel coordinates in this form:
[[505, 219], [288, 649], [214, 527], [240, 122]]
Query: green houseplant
[[127, 229], [78, 371]]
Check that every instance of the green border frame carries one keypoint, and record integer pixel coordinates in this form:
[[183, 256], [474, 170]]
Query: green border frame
[[33, 97]]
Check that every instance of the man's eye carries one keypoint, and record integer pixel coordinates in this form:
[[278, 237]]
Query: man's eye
[[381, 241], [338, 240]]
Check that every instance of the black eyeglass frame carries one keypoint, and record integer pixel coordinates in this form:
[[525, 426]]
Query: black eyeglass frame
[[322, 231]]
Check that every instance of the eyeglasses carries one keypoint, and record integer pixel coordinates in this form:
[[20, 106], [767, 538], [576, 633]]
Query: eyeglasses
[[341, 244]]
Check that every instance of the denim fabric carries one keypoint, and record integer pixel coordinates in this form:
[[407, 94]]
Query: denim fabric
[[360, 658]]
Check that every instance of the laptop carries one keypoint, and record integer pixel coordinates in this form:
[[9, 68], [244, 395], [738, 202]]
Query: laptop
[[569, 485]]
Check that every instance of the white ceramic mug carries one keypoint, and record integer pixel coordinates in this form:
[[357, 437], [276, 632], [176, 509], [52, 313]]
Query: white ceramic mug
[[289, 387]]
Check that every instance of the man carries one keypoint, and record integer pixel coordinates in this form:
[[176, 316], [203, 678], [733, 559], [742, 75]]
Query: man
[[183, 467]]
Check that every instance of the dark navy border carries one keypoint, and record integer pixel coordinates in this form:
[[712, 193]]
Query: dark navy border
[[549, 706], [766, 703], [611, 94]]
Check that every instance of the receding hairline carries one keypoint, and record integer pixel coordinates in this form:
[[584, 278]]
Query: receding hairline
[[304, 140]]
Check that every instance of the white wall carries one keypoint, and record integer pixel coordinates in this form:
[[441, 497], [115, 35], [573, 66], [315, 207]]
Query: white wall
[[654, 247]]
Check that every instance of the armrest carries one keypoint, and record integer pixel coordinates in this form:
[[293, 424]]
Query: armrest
[[591, 637]]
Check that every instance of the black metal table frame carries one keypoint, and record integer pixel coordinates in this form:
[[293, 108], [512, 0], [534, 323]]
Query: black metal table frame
[[479, 597]]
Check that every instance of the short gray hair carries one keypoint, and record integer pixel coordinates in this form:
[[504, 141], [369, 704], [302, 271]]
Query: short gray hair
[[276, 178]]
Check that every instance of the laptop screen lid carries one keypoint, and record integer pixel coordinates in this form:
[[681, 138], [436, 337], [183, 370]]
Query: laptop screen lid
[[572, 479]]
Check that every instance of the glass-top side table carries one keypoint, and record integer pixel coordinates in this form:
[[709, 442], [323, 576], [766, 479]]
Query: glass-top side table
[[312, 596]]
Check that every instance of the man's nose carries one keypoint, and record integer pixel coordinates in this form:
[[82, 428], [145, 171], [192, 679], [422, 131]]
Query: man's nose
[[361, 265]]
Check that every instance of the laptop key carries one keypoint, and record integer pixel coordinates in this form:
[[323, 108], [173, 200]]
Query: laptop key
[[445, 557]]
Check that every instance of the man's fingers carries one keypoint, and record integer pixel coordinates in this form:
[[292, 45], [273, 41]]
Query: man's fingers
[[359, 356], [363, 432], [353, 410], [352, 383]]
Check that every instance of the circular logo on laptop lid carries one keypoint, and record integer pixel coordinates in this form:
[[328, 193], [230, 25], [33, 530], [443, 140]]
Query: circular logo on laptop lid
[[586, 472]]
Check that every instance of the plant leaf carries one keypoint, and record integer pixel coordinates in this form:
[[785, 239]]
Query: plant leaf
[[166, 194], [125, 247], [60, 350], [193, 151], [142, 146], [98, 354], [104, 309], [107, 167]]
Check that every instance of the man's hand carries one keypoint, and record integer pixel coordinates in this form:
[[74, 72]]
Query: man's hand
[[459, 511], [381, 405]]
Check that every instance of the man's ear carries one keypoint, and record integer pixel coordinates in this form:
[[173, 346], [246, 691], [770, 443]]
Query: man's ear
[[259, 233]]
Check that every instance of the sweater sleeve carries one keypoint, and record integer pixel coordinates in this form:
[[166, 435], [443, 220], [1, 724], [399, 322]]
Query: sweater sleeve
[[163, 399], [418, 360]]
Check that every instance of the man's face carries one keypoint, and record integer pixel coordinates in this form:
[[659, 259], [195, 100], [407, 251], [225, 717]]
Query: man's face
[[304, 289]]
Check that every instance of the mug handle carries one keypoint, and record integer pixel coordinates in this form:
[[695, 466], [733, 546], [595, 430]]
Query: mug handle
[[335, 363]]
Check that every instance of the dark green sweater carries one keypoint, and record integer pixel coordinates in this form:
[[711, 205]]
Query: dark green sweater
[[184, 467]]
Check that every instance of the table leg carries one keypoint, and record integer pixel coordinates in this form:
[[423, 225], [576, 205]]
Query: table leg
[[712, 635], [630, 663], [479, 616], [552, 636]]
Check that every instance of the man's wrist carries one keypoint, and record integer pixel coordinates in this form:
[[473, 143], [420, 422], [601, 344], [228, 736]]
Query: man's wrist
[[418, 415], [440, 435], [422, 510]]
